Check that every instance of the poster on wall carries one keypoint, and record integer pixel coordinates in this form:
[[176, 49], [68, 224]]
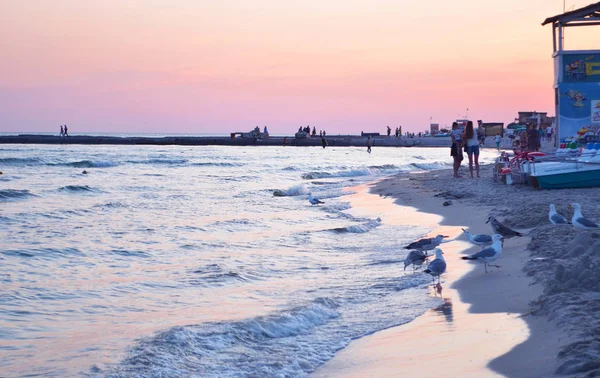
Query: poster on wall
[[578, 107], [595, 104], [581, 68]]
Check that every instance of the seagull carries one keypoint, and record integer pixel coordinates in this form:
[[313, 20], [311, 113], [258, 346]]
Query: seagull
[[556, 218], [437, 267], [479, 239], [426, 244], [415, 258], [313, 200], [499, 228], [580, 222], [489, 254]]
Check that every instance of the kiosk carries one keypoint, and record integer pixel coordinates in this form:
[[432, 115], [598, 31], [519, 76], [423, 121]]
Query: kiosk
[[576, 75]]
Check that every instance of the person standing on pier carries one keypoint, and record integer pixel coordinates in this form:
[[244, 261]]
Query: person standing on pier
[[369, 143], [62, 132], [66, 132], [389, 131]]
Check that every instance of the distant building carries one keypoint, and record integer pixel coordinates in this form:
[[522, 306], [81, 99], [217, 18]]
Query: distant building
[[530, 117], [491, 128], [434, 128]]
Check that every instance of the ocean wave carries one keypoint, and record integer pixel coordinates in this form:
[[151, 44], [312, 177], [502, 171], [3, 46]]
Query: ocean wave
[[127, 253], [386, 262], [44, 253], [349, 173], [209, 278], [85, 164], [428, 166], [77, 189], [216, 164], [358, 228], [337, 207], [110, 205], [296, 190], [159, 161], [6, 220], [213, 349], [383, 167], [13, 194], [19, 161]]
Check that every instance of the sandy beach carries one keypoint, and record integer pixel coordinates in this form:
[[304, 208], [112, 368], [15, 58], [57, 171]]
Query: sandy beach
[[533, 317]]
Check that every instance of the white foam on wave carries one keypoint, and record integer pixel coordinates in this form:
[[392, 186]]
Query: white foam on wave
[[360, 228], [348, 173], [269, 343], [337, 207], [296, 190]]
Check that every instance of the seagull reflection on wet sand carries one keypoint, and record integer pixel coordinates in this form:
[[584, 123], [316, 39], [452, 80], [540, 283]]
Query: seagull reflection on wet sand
[[445, 309]]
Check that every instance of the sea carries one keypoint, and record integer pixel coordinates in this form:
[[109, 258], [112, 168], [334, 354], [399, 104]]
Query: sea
[[198, 261]]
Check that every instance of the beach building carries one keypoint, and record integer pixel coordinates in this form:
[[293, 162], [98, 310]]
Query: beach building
[[491, 128], [531, 117], [576, 74]]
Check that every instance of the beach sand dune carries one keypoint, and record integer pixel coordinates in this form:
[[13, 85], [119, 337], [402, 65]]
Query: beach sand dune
[[536, 316]]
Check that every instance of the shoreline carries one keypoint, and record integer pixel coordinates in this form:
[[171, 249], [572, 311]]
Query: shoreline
[[291, 141], [466, 330], [503, 323]]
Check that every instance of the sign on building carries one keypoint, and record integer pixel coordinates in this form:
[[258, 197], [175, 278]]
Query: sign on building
[[595, 111]]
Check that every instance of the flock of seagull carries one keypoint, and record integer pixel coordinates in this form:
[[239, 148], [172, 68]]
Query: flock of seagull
[[492, 244], [578, 220]]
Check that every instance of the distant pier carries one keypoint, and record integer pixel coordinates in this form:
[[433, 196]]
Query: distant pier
[[332, 140]]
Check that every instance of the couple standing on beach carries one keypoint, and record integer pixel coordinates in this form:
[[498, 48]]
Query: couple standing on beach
[[470, 141]]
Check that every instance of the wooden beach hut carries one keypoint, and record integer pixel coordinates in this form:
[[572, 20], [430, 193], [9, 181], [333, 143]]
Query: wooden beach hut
[[576, 74]]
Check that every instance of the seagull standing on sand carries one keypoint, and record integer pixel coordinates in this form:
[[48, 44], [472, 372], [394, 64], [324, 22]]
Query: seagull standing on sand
[[489, 254], [556, 218], [580, 222], [479, 239], [426, 244], [415, 258], [501, 229], [437, 267], [313, 200]]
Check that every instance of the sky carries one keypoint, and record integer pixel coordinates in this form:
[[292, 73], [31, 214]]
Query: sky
[[344, 66]]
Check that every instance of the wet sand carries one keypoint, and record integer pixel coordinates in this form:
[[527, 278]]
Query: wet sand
[[482, 327]]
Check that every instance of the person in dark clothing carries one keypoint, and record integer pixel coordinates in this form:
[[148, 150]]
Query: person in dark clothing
[[323, 141], [456, 149], [533, 139]]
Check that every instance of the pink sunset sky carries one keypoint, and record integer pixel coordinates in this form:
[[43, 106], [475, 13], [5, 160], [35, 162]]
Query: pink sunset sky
[[199, 66]]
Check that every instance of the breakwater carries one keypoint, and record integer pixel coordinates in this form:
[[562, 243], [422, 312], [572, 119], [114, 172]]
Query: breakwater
[[332, 140]]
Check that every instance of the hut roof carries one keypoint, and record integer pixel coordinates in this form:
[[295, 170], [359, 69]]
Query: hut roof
[[585, 15]]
